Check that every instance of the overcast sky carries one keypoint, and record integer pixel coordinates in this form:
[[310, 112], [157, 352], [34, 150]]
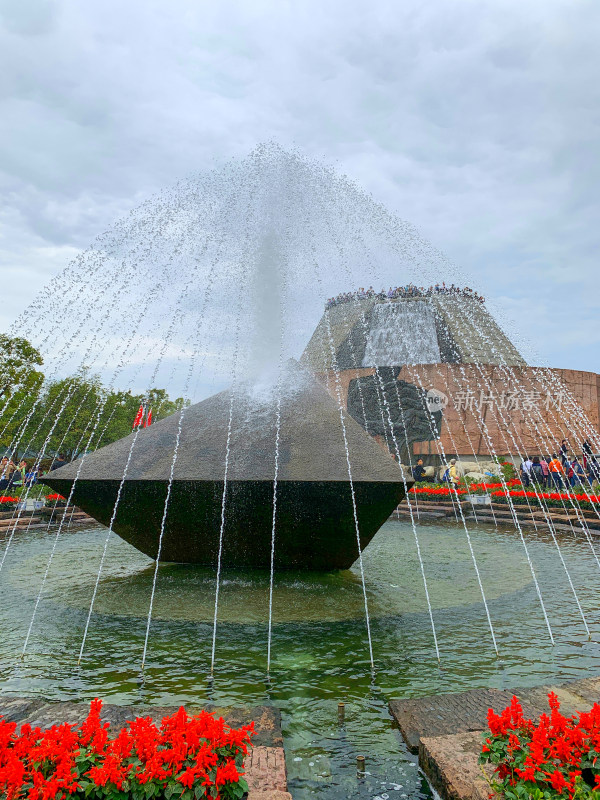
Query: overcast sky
[[477, 121]]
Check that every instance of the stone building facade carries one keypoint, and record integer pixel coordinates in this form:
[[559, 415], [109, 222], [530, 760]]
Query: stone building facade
[[440, 376]]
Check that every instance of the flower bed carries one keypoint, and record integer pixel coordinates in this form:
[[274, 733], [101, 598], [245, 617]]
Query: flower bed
[[57, 500], [518, 496], [558, 757], [185, 757], [427, 492], [7, 503], [551, 499], [508, 470], [443, 490]]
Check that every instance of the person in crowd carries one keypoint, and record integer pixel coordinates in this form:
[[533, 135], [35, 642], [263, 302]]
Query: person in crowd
[[557, 471], [524, 471], [536, 473], [3, 473], [58, 462], [576, 473], [31, 476], [6, 471], [453, 475], [564, 453], [418, 471], [593, 470], [18, 476], [586, 451], [410, 290], [544, 465]]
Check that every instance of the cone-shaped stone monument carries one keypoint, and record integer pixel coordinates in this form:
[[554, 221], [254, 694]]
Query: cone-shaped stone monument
[[315, 526]]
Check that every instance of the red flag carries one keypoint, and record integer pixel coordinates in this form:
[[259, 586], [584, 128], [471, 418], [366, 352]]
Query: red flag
[[148, 419], [138, 417]]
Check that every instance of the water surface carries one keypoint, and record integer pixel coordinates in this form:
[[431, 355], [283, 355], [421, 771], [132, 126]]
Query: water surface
[[319, 652]]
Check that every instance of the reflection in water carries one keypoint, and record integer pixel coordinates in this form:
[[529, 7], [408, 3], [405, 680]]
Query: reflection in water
[[320, 654]]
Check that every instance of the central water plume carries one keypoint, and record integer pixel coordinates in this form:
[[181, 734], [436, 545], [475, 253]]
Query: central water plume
[[254, 229]]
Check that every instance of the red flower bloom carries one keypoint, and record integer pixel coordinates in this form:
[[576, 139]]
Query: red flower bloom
[[184, 752], [551, 754], [557, 781], [528, 774], [227, 774]]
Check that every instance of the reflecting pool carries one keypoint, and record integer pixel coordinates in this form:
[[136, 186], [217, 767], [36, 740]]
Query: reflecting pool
[[319, 649]]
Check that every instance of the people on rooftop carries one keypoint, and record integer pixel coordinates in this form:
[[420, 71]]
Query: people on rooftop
[[409, 290]]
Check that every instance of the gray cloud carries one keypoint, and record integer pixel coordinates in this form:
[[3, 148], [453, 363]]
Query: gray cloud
[[476, 121], [29, 19]]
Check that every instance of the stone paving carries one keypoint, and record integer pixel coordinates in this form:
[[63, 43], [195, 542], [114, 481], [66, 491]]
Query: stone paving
[[562, 521], [11, 522], [445, 714], [265, 765], [266, 774], [446, 730], [451, 765]]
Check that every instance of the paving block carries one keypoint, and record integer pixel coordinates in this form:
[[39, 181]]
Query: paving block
[[451, 766]]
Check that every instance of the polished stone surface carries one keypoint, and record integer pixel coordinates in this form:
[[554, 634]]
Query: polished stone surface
[[315, 526]]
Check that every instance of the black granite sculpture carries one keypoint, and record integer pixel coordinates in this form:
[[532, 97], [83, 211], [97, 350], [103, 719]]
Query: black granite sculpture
[[315, 526]]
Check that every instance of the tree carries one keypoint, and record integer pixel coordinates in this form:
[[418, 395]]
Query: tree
[[66, 415], [73, 415], [89, 415], [15, 410], [121, 408], [18, 362]]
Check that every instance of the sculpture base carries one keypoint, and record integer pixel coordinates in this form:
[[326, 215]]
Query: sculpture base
[[315, 527]]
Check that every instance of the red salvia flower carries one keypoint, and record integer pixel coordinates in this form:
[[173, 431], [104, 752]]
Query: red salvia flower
[[184, 752], [550, 754]]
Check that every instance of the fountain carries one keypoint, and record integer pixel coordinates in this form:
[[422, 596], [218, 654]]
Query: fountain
[[314, 521], [255, 556]]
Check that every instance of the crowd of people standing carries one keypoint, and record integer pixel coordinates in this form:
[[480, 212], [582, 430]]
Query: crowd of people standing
[[561, 469], [409, 290], [19, 474]]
